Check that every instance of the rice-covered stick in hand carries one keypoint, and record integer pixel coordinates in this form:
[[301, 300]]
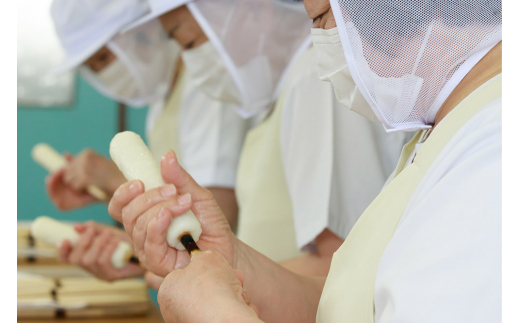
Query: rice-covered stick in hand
[[52, 161], [135, 161], [51, 231]]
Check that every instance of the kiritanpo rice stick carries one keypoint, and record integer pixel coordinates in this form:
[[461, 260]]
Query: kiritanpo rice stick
[[53, 232], [135, 161]]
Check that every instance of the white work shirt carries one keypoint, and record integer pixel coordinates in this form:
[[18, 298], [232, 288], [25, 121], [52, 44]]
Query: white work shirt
[[210, 136], [451, 229], [335, 161]]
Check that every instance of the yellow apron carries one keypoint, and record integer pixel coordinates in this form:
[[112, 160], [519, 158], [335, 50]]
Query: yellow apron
[[265, 220], [165, 133], [348, 295]]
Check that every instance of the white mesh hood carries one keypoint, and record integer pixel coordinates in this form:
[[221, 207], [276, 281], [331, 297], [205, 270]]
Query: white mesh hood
[[257, 40], [149, 56], [407, 56]]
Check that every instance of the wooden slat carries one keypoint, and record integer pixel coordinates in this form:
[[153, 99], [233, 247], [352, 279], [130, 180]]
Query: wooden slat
[[144, 314]]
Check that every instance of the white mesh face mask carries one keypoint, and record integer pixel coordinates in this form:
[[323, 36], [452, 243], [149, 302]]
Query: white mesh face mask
[[143, 71], [256, 40], [407, 56]]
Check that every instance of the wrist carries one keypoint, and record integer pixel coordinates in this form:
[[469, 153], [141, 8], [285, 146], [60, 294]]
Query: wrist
[[233, 311]]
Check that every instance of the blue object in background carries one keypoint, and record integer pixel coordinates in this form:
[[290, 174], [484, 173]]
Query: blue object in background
[[92, 122]]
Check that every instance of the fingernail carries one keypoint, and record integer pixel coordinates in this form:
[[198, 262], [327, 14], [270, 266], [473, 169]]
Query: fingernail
[[168, 154], [59, 244], [168, 190], [135, 187], [184, 199]]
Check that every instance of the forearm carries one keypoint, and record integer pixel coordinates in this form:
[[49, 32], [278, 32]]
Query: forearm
[[279, 294], [318, 262], [312, 264]]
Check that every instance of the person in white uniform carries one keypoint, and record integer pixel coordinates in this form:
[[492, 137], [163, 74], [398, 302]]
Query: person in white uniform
[[281, 148], [347, 156], [138, 67], [216, 71], [427, 249]]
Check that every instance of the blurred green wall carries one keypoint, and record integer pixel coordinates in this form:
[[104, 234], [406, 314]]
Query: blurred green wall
[[91, 122]]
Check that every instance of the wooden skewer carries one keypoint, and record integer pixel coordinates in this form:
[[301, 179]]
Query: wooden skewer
[[190, 244]]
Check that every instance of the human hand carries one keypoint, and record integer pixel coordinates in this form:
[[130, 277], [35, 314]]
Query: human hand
[[147, 215], [67, 188], [63, 196], [89, 168], [207, 290], [93, 252]]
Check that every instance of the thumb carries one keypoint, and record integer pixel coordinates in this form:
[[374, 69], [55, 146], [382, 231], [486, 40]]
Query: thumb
[[173, 173]]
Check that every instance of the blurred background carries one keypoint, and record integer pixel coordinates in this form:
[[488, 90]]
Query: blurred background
[[65, 112]]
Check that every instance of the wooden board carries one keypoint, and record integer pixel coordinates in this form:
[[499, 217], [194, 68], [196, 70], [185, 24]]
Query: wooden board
[[79, 297], [153, 316]]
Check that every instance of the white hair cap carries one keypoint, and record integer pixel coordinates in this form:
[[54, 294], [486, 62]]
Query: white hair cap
[[84, 26], [157, 8], [407, 56], [148, 57], [257, 40]]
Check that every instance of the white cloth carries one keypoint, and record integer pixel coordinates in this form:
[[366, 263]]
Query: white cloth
[[257, 40], [335, 161], [210, 136], [84, 26], [443, 263], [146, 62], [407, 56], [157, 8]]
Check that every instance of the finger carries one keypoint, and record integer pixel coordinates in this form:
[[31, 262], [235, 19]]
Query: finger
[[160, 258], [68, 157], [122, 196], [144, 202], [80, 227], [52, 186], [73, 180], [172, 172], [81, 246], [245, 296], [240, 276], [90, 259], [105, 259], [52, 180], [254, 308], [98, 228], [139, 230], [64, 250], [68, 176]]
